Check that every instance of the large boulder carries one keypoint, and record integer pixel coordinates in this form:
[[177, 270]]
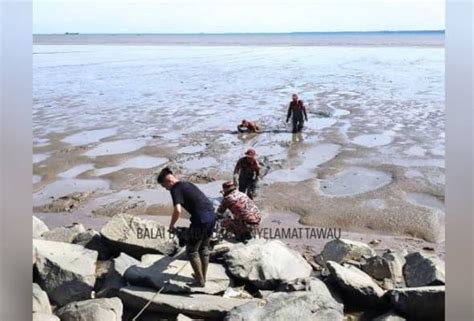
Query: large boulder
[[64, 234], [422, 269], [38, 228], [388, 266], [136, 236], [265, 264], [41, 316], [200, 305], [111, 280], [342, 250], [316, 303], [357, 288], [159, 271], [92, 310], [92, 240], [419, 303], [40, 300], [65, 271]]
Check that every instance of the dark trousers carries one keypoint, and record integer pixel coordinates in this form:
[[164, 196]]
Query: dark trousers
[[199, 238], [298, 124], [248, 185]]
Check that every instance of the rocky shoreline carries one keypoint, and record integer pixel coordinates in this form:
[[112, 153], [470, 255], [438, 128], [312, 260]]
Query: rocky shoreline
[[82, 274]]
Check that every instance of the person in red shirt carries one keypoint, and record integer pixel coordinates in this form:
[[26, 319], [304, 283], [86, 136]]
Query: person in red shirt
[[246, 215], [247, 172], [248, 126]]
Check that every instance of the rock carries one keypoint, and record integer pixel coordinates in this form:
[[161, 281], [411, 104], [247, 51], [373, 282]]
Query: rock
[[387, 268], [40, 316], [357, 288], [64, 234], [238, 293], [158, 271], [341, 250], [265, 264], [422, 270], [38, 227], [92, 310], [182, 317], [111, 281], [65, 271], [419, 303], [317, 303], [396, 261], [92, 240], [389, 316], [200, 305], [377, 267], [40, 300], [136, 236]]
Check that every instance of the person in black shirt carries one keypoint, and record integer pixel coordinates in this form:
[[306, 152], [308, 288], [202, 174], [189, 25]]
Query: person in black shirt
[[298, 111], [203, 219]]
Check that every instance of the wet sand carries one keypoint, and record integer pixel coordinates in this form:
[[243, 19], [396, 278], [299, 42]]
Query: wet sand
[[370, 160]]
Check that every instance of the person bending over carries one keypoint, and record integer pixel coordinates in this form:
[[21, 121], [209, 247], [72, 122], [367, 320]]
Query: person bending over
[[248, 126]]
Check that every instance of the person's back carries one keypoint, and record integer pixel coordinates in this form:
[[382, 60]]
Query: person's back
[[194, 201], [242, 207]]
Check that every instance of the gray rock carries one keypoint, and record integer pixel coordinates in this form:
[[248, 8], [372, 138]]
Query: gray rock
[[182, 317], [419, 303], [38, 228], [342, 250], [40, 300], [40, 316], [111, 281], [389, 316], [357, 288], [158, 271], [265, 264], [92, 310], [387, 268], [92, 240], [63, 234], [199, 305], [422, 269], [65, 271], [316, 303], [136, 236]]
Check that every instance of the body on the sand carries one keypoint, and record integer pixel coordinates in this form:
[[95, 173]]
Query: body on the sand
[[203, 219], [246, 215], [248, 127], [247, 173], [297, 111]]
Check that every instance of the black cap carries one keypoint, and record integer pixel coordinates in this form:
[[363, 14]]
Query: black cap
[[164, 172]]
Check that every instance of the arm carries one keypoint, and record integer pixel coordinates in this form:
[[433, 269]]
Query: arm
[[236, 173], [257, 168], [288, 115], [304, 111], [222, 207], [175, 216]]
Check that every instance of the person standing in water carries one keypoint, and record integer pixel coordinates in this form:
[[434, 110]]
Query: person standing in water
[[203, 219], [247, 172], [298, 111]]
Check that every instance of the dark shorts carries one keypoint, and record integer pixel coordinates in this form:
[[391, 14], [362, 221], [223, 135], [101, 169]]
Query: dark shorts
[[199, 237]]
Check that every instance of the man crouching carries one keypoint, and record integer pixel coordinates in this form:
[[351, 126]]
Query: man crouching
[[246, 215], [203, 219]]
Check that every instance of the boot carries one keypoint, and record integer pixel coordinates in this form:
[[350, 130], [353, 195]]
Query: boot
[[204, 264], [197, 268]]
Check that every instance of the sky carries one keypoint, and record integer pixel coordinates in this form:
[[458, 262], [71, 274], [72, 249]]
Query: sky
[[223, 16]]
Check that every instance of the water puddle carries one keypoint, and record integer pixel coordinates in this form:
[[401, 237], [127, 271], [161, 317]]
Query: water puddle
[[425, 200], [310, 159], [76, 171], [90, 136], [200, 163], [354, 181], [38, 158], [191, 149], [65, 187], [373, 140], [415, 151], [116, 147], [142, 162]]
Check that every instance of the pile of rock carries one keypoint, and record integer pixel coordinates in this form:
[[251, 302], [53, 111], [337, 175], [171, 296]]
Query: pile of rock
[[82, 274]]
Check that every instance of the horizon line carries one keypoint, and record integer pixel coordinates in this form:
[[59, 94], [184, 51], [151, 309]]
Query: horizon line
[[243, 33]]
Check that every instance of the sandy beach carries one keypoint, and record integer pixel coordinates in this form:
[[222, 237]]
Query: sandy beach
[[370, 160]]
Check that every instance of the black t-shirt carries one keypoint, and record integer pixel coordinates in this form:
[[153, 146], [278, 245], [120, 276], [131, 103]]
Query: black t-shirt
[[194, 201]]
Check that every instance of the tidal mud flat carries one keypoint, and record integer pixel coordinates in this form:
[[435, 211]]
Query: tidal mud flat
[[370, 160]]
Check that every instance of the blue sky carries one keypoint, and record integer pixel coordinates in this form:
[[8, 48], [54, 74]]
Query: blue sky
[[220, 16]]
